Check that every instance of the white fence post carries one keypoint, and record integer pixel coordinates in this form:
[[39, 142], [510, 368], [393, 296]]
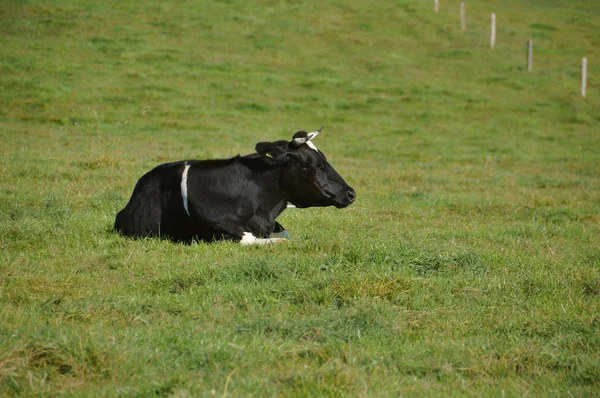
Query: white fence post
[[493, 35], [463, 22], [436, 5], [529, 55], [583, 76]]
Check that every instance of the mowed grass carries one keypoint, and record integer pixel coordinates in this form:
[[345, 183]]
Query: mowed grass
[[469, 265]]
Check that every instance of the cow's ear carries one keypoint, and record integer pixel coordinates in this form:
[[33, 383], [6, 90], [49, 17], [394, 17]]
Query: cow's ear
[[271, 152]]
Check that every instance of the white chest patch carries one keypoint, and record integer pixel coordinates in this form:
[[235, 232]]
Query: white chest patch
[[184, 193], [312, 146]]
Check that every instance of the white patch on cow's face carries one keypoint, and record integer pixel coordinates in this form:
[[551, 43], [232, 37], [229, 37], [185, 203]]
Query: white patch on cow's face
[[184, 193], [249, 239], [312, 146]]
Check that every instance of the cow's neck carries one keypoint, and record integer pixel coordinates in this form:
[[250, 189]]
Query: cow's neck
[[273, 199]]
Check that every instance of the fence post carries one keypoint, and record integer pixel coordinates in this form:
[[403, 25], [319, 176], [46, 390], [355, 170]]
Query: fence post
[[436, 5], [583, 76], [529, 55], [493, 35], [463, 22]]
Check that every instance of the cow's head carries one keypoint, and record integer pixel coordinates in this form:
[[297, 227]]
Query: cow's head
[[307, 176]]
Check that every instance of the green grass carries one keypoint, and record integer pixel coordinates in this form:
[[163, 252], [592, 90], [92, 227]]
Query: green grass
[[469, 265]]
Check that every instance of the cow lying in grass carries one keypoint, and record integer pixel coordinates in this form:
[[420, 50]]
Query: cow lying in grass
[[236, 199]]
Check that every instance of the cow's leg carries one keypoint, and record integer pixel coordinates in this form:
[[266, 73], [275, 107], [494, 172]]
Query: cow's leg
[[251, 232], [261, 229], [279, 232], [229, 229], [249, 239]]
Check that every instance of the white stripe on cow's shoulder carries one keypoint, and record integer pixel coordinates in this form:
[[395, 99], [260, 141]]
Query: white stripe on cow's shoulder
[[312, 146], [249, 239], [184, 193]]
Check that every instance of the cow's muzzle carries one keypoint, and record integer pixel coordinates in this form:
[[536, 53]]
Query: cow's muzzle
[[346, 198]]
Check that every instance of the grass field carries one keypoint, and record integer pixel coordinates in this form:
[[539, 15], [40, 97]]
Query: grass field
[[468, 266]]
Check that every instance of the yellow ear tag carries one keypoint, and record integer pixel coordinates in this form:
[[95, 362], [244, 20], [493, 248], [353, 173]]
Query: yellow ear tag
[[268, 154]]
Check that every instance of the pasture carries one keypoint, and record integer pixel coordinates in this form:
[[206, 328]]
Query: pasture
[[468, 266]]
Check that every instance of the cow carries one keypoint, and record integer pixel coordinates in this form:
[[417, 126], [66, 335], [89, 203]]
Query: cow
[[235, 199]]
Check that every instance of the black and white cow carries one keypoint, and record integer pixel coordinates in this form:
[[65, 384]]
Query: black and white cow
[[236, 199]]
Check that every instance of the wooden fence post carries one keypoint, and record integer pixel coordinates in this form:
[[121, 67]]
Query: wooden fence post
[[583, 76], [493, 35], [436, 5], [529, 55], [463, 22]]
